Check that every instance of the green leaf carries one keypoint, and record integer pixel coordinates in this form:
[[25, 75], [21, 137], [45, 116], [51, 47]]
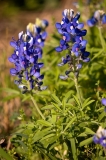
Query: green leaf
[[54, 145], [10, 97], [26, 98], [100, 109], [5, 155], [44, 123], [85, 142], [76, 100], [56, 106], [97, 54], [22, 144], [68, 96], [56, 99], [48, 136], [87, 102], [102, 115], [73, 147], [69, 124], [40, 134], [9, 90], [53, 119], [89, 131], [71, 106], [49, 139], [82, 135], [47, 107]]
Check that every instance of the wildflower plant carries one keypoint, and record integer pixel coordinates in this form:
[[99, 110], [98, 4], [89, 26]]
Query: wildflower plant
[[72, 41], [27, 52], [67, 127]]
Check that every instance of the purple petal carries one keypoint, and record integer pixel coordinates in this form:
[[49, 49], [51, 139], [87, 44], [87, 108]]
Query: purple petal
[[86, 60], [58, 25], [13, 44], [11, 60], [103, 101], [83, 43], [63, 77], [44, 35], [79, 66], [77, 54], [62, 42], [104, 19], [58, 49], [40, 77], [13, 71], [45, 23], [80, 26], [60, 31], [91, 22], [40, 65]]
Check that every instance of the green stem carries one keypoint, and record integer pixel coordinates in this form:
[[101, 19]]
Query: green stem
[[101, 38], [37, 108], [77, 89]]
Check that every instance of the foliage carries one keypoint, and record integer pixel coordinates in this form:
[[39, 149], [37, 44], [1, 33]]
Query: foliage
[[66, 116]]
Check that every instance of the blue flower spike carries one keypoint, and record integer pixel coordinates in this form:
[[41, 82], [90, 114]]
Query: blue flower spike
[[72, 33], [99, 18], [27, 52], [100, 137]]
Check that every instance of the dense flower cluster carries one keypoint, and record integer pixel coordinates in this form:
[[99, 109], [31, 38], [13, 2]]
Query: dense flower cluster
[[100, 137], [72, 40], [27, 52], [99, 18]]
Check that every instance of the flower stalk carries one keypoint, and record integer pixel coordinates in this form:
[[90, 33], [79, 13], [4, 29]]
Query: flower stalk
[[37, 108]]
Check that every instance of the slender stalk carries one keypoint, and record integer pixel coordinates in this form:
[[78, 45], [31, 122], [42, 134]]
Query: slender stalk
[[101, 38], [77, 89], [37, 108]]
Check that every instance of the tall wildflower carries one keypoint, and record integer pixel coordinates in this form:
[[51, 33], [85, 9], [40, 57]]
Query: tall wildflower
[[72, 40], [100, 137], [26, 55], [99, 18]]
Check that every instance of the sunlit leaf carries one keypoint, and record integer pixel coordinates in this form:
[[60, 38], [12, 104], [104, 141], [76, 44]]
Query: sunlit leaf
[[86, 142]]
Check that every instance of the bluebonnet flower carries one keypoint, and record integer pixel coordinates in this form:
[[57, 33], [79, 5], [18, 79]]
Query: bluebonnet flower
[[103, 101], [100, 137], [99, 18], [72, 40], [27, 52]]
